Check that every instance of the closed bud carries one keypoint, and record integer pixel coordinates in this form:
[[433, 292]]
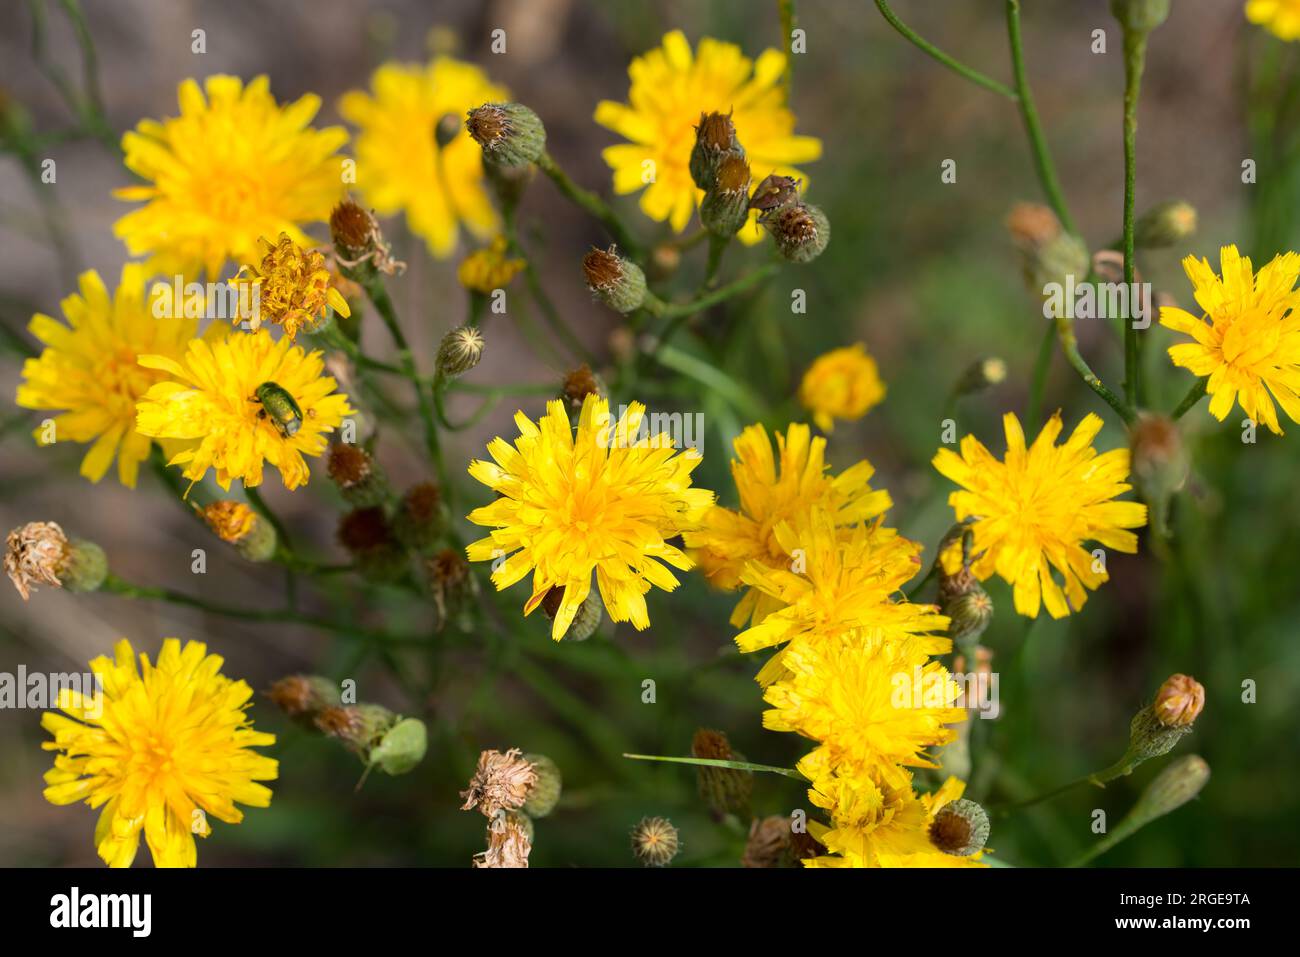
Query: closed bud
[[234, 522], [714, 138], [1179, 701], [1149, 737], [401, 748], [360, 727], [725, 206], [585, 620], [544, 793], [617, 282], [1032, 225], [357, 475], [801, 232], [1160, 463], [368, 537], [302, 697], [1165, 224], [960, 828], [768, 845], [1178, 783], [460, 350], [655, 842], [724, 790], [452, 586], [578, 384], [421, 516], [40, 553], [1140, 16], [963, 599], [980, 375], [510, 133], [1065, 255]]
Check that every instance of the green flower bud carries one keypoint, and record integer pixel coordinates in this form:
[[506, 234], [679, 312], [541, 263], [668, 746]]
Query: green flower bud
[[1149, 737], [1064, 255], [401, 748], [617, 282], [724, 790], [360, 727], [85, 568], [1165, 224], [801, 232], [545, 791], [39, 553], [357, 475], [725, 206], [459, 351], [715, 138], [509, 133], [1140, 16], [1173, 787], [960, 828], [585, 620], [302, 697]]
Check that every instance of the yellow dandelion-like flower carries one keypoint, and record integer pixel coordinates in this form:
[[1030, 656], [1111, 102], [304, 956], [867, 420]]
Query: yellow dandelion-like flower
[[160, 748], [670, 88], [1248, 340], [842, 384], [400, 165], [1281, 17], [874, 701], [489, 268], [294, 287], [89, 368], [837, 581], [598, 498], [774, 490], [243, 402], [233, 167], [1034, 511], [874, 823]]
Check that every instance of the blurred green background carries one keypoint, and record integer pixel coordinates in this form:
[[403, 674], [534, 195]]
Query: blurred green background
[[922, 272]]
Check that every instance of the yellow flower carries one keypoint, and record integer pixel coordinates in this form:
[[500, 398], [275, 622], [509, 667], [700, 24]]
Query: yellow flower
[[401, 167], [228, 170], [872, 700], [842, 384], [218, 405], [1035, 509], [1248, 340], [89, 368], [294, 287], [837, 581], [1282, 17], [159, 749], [874, 823], [597, 498], [670, 88], [774, 490], [488, 269]]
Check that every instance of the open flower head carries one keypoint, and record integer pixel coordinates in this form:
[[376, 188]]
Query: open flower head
[[874, 823], [1034, 510], [400, 165], [243, 402], [670, 88], [1248, 340], [234, 166], [774, 489], [295, 289], [489, 268], [1281, 17], [88, 368], [161, 749], [598, 498], [842, 384]]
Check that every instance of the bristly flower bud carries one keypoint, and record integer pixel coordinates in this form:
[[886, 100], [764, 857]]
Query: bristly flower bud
[[302, 697], [1149, 737], [1165, 224], [801, 232], [768, 845], [421, 516], [715, 137], [1140, 16], [961, 596], [234, 522], [460, 350], [1160, 464], [655, 842], [360, 726], [502, 781], [357, 475], [773, 193], [545, 791], [1066, 255], [960, 828], [578, 384], [1174, 786], [39, 553], [724, 790], [617, 282], [585, 620], [725, 206], [1179, 701], [509, 133], [401, 748], [368, 537]]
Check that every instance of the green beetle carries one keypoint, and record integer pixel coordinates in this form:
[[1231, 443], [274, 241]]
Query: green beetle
[[279, 406]]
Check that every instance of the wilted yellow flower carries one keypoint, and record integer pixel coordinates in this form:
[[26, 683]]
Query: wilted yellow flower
[[489, 268], [842, 384], [774, 490], [89, 368], [1248, 340], [1282, 17], [400, 165], [231, 168], [1034, 510], [160, 748], [670, 89], [294, 287], [230, 401], [229, 521], [596, 498]]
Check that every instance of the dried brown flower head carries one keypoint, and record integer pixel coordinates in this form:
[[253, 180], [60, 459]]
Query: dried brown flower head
[[769, 842], [363, 529], [349, 465], [35, 554], [501, 782], [488, 124], [578, 384], [716, 131], [510, 841], [602, 268]]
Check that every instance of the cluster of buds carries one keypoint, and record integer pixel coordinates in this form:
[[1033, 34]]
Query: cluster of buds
[[724, 790], [237, 524], [510, 134], [357, 475], [617, 282], [380, 738], [655, 842], [511, 789], [39, 553], [359, 247]]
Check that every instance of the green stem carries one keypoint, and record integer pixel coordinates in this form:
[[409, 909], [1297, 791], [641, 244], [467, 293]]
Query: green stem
[[1070, 346], [709, 376], [682, 310], [591, 203], [1135, 46], [1194, 395], [1041, 366], [716, 763], [979, 79], [717, 246], [1033, 129]]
